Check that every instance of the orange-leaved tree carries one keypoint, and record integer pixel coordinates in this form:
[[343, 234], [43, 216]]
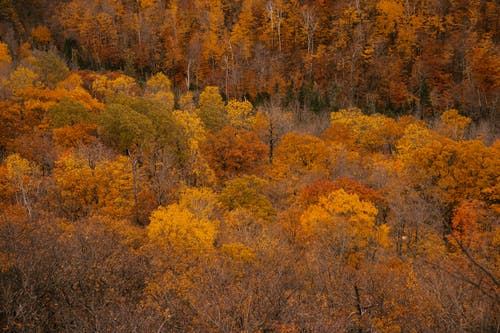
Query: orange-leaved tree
[[232, 152]]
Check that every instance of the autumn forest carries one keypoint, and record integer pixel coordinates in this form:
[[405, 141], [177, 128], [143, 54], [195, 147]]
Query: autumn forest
[[250, 166]]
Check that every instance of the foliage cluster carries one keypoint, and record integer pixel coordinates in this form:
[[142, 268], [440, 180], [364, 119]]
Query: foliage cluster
[[128, 207], [396, 56]]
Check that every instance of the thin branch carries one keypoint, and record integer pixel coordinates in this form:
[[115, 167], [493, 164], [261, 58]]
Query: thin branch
[[469, 256]]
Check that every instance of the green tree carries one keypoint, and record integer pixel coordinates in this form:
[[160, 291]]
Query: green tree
[[50, 68], [123, 128], [67, 112], [212, 111], [248, 192]]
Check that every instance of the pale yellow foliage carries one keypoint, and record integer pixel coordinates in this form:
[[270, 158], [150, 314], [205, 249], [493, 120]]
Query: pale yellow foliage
[[19, 168], [21, 79], [212, 110], [202, 202], [99, 85], [102, 86], [24, 177], [158, 83], [192, 127]]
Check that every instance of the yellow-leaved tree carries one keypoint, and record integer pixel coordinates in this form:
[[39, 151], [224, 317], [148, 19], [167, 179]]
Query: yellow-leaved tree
[[24, 178], [178, 230], [180, 245], [197, 169], [116, 187], [345, 225], [75, 189], [369, 132], [453, 171], [22, 79], [453, 124], [240, 114], [212, 110], [159, 87]]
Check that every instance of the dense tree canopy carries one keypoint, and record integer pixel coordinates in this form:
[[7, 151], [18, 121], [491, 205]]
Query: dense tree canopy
[[417, 57], [249, 166]]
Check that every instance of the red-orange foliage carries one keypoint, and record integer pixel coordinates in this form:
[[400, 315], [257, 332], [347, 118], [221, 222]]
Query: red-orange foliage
[[232, 152], [465, 221], [311, 193], [72, 136], [12, 123], [352, 186]]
